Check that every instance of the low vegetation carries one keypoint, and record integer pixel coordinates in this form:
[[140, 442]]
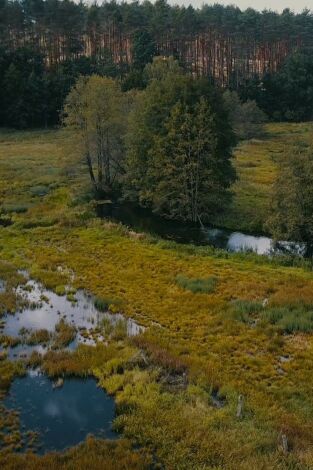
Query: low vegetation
[[288, 318], [205, 286], [103, 304], [231, 341], [41, 336], [64, 334]]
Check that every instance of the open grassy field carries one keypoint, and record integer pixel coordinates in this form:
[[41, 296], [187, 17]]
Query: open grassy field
[[256, 164], [220, 325]]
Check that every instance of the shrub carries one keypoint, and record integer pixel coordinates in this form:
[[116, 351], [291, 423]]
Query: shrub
[[18, 208], [204, 286], [39, 190]]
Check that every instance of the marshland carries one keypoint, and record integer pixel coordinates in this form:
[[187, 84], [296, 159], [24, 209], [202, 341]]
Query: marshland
[[156, 287]]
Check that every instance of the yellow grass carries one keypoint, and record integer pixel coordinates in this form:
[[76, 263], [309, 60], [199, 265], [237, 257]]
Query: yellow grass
[[196, 331]]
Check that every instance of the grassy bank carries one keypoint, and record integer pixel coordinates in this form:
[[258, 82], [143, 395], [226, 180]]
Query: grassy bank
[[214, 333], [256, 164]]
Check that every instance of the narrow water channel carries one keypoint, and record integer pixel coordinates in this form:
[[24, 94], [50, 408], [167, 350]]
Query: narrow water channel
[[143, 220]]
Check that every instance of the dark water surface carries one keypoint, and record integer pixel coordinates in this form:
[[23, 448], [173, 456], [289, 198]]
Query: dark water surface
[[143, 220], [62, 416]]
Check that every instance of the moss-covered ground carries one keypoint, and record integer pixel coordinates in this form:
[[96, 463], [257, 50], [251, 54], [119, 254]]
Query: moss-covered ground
[[177, 385]]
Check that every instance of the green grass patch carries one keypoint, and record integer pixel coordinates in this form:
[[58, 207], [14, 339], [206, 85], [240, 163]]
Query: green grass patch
[[244, 310], [290, 320], [287, 318], [17, 208], [103, 304], [203, 286]]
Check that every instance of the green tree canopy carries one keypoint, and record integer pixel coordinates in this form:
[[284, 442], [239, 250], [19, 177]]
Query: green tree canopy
[[97, 110], [246, 118], [179, 146], [288, 94]]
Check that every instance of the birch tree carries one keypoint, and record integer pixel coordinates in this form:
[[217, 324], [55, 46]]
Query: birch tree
[[97, 110]]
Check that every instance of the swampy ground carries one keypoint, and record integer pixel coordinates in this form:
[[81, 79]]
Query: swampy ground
[[219, 325]]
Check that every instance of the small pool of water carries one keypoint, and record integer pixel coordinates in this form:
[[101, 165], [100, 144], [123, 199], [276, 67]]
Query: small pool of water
[[63, 416], [50, 309]]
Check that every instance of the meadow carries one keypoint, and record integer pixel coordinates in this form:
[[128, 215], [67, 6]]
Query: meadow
[[256, 164], [220, 326]]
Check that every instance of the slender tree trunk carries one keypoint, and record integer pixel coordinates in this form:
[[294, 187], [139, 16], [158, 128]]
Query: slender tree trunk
[[90, 169], [107, 163], [100, 172]]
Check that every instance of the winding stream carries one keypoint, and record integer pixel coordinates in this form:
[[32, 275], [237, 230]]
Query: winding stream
[[143, 220]]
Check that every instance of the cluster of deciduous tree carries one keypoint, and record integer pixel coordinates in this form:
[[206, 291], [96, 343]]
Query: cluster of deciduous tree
[[168, 146], [246, 118]]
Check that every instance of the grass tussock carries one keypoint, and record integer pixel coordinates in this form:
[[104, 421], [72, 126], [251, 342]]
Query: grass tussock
[[160, 356], [202, 286], [64, 334], [95, 454], [7, 341], [194, 334], [103, 304], [9, 370], [41, 336]]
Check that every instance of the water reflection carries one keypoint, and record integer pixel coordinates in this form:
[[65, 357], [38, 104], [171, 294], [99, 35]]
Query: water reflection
[[64, 416], [143, 220], [50, 309]]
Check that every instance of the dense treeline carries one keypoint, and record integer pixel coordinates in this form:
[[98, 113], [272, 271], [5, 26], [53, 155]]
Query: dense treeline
[[288, 94], [43, 52], [32, 95], [223, 43], [70, 19]]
